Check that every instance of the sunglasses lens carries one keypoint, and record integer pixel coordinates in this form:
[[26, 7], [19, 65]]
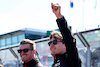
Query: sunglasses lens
[[25, 50], [49, 43], [19, 51], [55, 42]]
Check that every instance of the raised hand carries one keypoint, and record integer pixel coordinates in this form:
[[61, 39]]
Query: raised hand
[[56, 10]]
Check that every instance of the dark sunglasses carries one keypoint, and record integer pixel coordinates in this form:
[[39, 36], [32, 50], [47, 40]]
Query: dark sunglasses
[[54, 42], [24, 50]]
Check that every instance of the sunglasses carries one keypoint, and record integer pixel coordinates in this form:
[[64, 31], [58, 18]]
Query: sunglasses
[[24, 50], [54, 42]]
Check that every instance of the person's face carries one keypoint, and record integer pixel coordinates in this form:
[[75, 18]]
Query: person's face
[[58, 48], [26, 56]]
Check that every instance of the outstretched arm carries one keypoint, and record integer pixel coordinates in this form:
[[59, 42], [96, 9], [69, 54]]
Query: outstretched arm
[[67, 36], [62, 23]]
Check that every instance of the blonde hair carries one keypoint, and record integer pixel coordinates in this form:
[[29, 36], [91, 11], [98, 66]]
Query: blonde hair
[[27, 41], [56, 35]]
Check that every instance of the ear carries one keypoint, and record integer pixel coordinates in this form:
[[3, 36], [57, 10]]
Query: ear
[[64, 46], [34, 51]]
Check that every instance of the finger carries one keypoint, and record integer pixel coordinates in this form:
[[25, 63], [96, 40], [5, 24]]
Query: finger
[[52, 5], [55, 6]]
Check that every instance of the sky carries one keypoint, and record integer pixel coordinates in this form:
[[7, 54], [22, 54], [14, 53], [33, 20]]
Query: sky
[[18, 14]]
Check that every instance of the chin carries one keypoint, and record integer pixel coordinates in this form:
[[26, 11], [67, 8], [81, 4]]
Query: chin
[[53, 54], [24, 60]]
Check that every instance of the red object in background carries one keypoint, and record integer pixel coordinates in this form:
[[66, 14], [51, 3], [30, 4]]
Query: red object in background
[[47, 56]]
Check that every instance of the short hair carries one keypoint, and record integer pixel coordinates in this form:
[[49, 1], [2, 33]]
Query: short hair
[[56, 35], [27, 41]]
